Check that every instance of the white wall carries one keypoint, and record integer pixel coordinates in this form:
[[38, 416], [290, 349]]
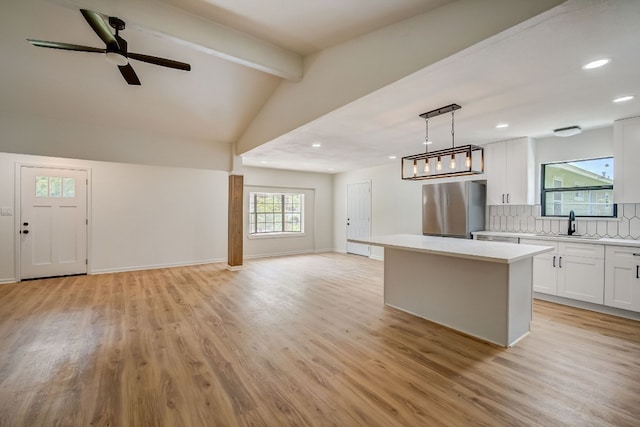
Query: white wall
[[396, 205], [589, 144], [77, 140], [318, 191], [141, 216]]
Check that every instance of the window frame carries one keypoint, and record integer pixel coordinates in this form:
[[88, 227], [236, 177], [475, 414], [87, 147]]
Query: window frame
[[575, 189], [252, 225]]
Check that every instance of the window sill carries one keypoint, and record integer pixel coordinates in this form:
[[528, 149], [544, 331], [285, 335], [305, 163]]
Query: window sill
[[274, 235]]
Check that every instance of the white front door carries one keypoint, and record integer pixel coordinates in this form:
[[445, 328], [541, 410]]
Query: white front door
[[358, 217], [53, 222]]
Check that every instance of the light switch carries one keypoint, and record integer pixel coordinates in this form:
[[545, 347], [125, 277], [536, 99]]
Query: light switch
[[6, 211]]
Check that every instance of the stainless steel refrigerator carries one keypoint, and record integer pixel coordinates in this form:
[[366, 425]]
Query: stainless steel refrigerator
[[453, 209]]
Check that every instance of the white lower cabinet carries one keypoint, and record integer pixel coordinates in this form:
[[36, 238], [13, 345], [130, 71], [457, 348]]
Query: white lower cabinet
[[622, 278], [571, 270]]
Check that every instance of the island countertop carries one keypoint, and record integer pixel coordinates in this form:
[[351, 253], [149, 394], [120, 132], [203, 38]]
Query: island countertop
[[499, 252]]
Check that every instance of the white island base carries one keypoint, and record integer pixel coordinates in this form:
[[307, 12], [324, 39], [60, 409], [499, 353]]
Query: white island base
[[486, 300], [480, 288]]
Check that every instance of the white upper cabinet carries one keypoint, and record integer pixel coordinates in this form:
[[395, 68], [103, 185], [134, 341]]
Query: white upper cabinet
[[510, 171], [626, 155]]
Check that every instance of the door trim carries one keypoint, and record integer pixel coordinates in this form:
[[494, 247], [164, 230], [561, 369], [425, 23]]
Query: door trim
[[18, 210]]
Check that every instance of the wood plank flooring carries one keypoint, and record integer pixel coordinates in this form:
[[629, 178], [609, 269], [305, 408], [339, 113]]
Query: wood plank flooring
[[293, 341]]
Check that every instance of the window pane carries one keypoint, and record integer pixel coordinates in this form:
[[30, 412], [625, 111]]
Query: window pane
[[42, 186], [593, 203], [68, 187], [275, 212], [583, 173], [55, 186]]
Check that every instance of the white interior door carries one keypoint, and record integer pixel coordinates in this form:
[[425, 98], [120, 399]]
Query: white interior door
[[358, 217], [53, 222]]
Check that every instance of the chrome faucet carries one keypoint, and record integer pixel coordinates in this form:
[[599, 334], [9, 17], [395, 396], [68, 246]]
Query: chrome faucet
[[572, 223]]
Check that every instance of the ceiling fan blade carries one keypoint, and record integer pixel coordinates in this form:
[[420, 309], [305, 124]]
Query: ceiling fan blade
[[160, 61], [65, 46], [100, 27], [129, 75]]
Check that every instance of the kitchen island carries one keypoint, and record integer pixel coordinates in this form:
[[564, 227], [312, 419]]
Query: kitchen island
[[480, 288]]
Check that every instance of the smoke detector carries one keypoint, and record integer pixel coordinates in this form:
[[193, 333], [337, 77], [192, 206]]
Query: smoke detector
[[568, 131]]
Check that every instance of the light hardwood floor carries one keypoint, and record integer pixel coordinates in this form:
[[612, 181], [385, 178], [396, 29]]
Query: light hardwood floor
[[302, 340]]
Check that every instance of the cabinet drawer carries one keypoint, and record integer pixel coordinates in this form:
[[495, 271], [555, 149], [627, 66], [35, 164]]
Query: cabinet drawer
[[622, 253], [585, 250], [537, 242]]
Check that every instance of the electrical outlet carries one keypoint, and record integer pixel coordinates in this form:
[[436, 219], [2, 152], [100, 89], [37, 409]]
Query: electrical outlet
[[6, 211]]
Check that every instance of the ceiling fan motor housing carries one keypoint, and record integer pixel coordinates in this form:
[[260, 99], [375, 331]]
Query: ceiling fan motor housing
[[116, 23]]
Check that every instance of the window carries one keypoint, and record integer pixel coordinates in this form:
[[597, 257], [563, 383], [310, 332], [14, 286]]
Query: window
[[583, 186], [276, 213], [55, 186]]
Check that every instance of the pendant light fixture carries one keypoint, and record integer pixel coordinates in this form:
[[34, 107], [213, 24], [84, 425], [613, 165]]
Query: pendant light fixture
[[414, 169]]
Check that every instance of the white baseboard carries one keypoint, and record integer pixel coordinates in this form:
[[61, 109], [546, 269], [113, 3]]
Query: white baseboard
[[156, 266], [319, 251], [377, 258], [5, 281], [276, 254]]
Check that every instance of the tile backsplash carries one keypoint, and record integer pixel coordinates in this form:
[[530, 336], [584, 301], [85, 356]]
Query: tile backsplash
[[527, 219]]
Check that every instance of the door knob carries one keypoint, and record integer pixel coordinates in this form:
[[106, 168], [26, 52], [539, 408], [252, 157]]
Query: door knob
[[25, 231]]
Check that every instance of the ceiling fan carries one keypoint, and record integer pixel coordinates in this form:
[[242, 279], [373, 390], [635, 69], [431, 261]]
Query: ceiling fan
[[116, 47]]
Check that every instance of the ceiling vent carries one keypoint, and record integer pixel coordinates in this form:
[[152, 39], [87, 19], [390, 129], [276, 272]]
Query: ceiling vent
[[568, 131]]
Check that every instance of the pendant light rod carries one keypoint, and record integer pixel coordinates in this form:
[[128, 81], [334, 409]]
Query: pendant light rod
[[453, 132], [426, 138], [439, 111]]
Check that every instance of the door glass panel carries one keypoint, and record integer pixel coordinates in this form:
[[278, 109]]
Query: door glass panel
[[69, 187], [42, 186], [55, 186]]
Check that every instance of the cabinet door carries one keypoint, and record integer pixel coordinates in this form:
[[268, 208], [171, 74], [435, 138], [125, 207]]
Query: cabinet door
[[545, 276], [518, 180], [621, 282], [581, 278], [495, 158], [626, 151]]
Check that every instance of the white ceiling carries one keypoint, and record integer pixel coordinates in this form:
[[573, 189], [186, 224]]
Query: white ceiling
[[307, 26], [528, 76]]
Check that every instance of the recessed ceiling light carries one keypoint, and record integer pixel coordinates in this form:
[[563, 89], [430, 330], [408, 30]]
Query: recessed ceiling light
[[264, 162], [392, 157], [502, 125], [316, 145], [623, 98], [595, 64]]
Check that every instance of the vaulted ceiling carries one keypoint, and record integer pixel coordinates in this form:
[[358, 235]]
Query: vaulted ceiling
[[274, 77]]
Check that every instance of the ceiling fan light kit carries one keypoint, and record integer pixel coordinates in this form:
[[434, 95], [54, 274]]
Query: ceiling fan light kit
[[458, 161], [115, 47]]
